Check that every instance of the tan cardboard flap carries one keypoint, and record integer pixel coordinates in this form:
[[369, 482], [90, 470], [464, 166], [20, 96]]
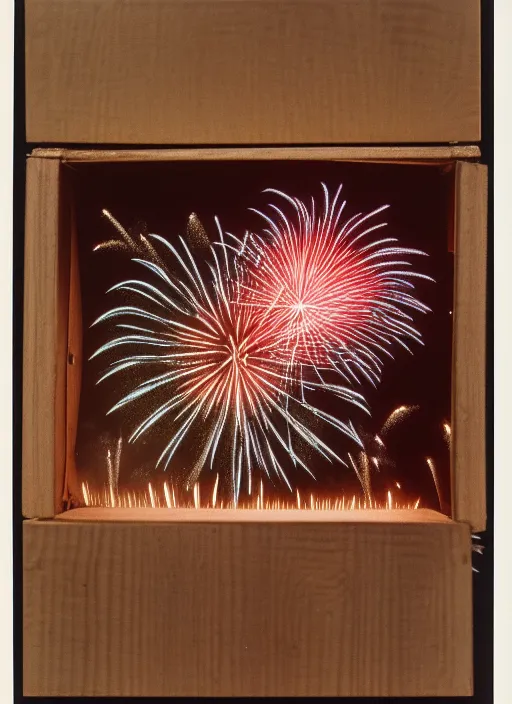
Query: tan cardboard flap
[[252, 71], [45, 322], [231, 609], [469, 346]]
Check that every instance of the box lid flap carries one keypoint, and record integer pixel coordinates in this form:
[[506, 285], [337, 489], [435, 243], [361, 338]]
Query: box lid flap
[[252, 72]]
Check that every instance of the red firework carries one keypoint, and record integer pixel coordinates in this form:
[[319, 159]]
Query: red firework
[[331, 297]]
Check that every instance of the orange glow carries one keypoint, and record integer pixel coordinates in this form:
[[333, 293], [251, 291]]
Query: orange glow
[[165, 497], [447, 432]]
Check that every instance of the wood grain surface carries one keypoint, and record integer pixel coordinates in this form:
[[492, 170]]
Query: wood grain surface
[[252, 71], [44, 342], [412, 154], [210, 609], [469, 347]]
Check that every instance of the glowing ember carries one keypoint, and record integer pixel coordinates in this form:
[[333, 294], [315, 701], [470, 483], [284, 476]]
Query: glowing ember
[[395, 417], [432, 468], [447, 431]]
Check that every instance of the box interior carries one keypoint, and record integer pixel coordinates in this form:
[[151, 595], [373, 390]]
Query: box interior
[[159, 198]]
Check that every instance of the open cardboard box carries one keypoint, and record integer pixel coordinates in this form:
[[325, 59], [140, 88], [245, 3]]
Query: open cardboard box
[[239, 602], [163, 602]]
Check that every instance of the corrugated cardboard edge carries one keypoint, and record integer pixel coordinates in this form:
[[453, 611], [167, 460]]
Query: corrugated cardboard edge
[[362, 153]]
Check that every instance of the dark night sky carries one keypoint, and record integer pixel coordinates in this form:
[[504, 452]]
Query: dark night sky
[[162, 195]]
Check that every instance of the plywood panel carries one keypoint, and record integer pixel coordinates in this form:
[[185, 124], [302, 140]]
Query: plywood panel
[[252, 71], [44, 341], [469, 346], [232, 609]]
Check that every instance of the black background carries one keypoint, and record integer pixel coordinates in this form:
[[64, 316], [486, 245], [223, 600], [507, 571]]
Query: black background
[[483, 581]]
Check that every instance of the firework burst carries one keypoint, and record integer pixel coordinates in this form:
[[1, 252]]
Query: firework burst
[[192, 337], [227, 349], [334, 298]]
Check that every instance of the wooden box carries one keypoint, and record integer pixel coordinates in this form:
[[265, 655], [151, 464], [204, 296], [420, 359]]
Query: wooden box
[[154, 602]]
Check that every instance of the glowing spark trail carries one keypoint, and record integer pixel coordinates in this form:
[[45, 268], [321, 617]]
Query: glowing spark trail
[[447, 431], [432, 468], [395, 417], [113, 470], [214, 498]]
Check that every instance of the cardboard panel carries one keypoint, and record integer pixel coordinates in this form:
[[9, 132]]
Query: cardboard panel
[[247, 609], [46, 306], [253, 71], [410, 154], [469, 346]]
